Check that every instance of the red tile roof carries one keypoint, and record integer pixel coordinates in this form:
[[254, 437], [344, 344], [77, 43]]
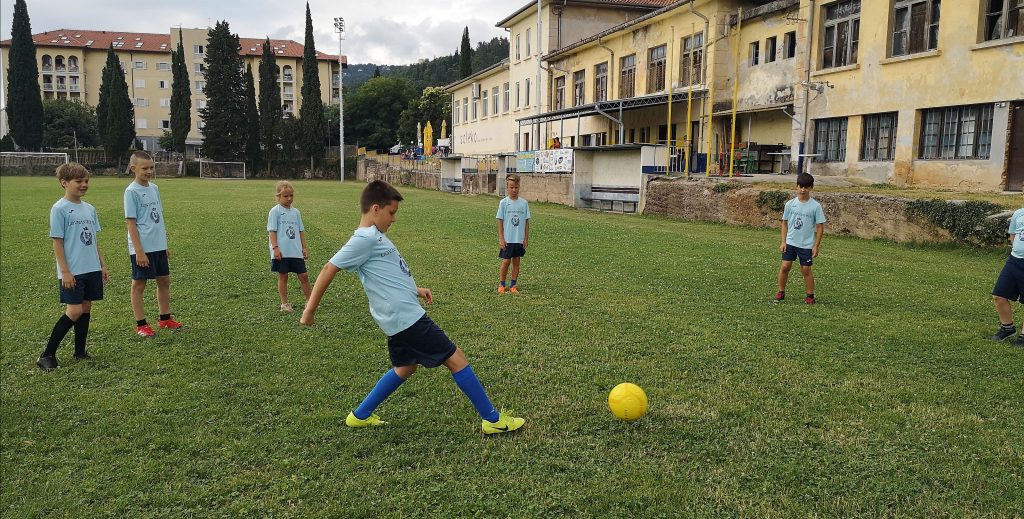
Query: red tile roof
[[629, 4], [148, 42]]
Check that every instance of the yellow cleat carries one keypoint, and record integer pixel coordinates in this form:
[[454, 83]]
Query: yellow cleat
[[513, 290], [372, 420], [504, 424]]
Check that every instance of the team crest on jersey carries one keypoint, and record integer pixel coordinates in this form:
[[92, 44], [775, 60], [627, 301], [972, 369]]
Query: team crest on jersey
[[290, 232], [515, 220], [798, 224], [86, 236], [154, 214], [404, 266]]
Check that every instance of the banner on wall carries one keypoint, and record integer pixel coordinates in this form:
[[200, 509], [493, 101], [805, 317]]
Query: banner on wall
[[554, 161], [525, 161]]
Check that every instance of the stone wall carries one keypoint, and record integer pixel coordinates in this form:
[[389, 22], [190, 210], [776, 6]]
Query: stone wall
[[853, 214], [480, 183], [369, 170], [542, 187]]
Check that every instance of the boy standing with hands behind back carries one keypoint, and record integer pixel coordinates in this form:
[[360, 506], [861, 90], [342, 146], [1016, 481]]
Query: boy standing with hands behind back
[[803, 224], [513, 232]]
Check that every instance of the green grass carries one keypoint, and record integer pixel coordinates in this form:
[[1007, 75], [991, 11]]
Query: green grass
[[885, 399], [1006, 200]]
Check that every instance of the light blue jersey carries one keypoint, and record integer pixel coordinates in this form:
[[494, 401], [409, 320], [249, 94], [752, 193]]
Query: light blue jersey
[[514, 214], [142, 203], [386, 278], [802, 217], [287, 223], [76, 225], [1017, 230]]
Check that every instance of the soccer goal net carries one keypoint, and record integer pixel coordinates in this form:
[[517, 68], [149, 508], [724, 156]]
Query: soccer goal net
[[15, 159], [221, 170]]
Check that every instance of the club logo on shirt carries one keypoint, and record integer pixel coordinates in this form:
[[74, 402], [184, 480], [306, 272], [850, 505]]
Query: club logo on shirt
[[404, 266], [798, 224], [154, 214], [515, 220], [290, 232], [86, 236]]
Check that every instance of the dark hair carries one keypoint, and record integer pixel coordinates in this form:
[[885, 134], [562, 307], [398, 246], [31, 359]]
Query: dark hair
[[805, 180], [71, 171], [379, 193]]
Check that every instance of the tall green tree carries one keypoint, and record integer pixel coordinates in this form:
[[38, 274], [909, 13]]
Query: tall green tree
[[224, 136], [115, 113], [433, 105], [312, 112], [465, 55], [252, 121], [372, 112], [24, 104], [269, 105], [181, 99], [68, 123]]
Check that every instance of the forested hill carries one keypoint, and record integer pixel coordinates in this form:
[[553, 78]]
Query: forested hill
[[438, 71]]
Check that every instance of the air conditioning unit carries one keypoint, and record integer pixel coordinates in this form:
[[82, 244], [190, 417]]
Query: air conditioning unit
[[476, 90]]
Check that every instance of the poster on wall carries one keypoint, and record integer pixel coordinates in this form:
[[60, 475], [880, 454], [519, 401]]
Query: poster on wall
[[524, 161], [554, 161]]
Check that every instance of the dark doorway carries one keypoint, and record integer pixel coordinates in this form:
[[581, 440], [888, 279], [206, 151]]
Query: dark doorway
[[1015, 162]]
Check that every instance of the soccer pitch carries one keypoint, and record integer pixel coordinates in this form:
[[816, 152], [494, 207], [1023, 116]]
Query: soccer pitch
[[884, 399]]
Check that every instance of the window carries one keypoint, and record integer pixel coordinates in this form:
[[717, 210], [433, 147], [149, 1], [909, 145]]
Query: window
[[578, 87], [1003, 19], [517, 95], [140, 83], [455, 113], [506, 97], [163, 83], [879, 137], [141, 124], [755, 53], [483, 98], [124, 68], [656, 69], [527, 103], [559, 93], [200, 68], [465, 109], [841, 34], [141, 102], [165, 102], [139, 65], [627, 76], [645, 135], [200, 125], [528, 53], [518, 55], [199, 86], [601, 82], [475, 105], [163, 66], [494, 100], [769, 49], [690, 61], [198, 50], [165, 124], [915, 26], [789, 45], [830, 139], [200, 104], [957, 132]]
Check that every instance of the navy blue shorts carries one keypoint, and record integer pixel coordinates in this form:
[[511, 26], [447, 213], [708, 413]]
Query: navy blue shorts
[[158, 266], [806, 255], [286, 265], [88, 287], [1010, 283], [422, 343], [512, 250]]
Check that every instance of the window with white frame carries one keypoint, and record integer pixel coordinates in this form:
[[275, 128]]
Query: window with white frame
[[163, 65], [483, 99], [957, 132], [455, 112], [559, 93], [656, 69], [527, 98], [163, 83], [770, 47], [830, 139], [141, 102], [476, 103], [755, 53], [200, 125], [627, 76], [165, 102], [465, 109], [141, 124], [506, 97], [915, 26], [841, 34], [879, 139], [198, 50], [494, 101], [579, 87], [200, 104], [601, 82], [200, 68], [517, 95], [1003, 19], [200, 85], [528, 53], [691, 60], [518, 55], [139, 65]]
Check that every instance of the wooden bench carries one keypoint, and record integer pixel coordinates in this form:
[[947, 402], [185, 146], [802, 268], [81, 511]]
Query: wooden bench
[[606, 198]]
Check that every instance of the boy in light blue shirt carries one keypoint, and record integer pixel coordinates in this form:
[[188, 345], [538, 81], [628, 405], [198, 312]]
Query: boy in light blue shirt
[[147, 245], [1010, 283], [413, 338], [81, 271], [287, 237], [513, 233], [803, 224]]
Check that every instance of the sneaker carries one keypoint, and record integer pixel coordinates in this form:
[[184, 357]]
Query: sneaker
[[504, 424], [47, 363], [145, 331], [779, 296], [1019, 343], [1003, 334], [82, 355], [170, 324], [286, 307], [513, 290], [501, 289], [372, 420], [809, 300]]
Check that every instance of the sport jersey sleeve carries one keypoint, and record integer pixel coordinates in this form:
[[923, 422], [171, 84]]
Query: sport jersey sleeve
[[298, 216], [501, 210], [819, 214], [786, 212], [527, 209], [272, 220], [131, 207], [57, 222], [354, 253]]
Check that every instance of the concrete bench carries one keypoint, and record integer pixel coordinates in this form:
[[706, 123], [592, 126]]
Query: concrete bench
[[614, 198], [452, 184]]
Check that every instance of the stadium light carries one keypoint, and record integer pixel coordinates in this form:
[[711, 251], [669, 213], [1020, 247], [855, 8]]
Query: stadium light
[[339, 27]]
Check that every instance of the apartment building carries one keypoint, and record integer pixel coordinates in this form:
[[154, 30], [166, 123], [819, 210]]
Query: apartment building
[[71, 67]]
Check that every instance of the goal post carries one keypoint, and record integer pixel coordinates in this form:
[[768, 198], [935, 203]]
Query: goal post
[[211, 169], [20, 158]]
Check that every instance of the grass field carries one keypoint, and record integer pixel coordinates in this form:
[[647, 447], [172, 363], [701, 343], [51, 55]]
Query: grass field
[[885, 399]]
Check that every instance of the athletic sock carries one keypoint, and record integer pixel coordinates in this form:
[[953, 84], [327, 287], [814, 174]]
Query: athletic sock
[[141, 322], [1007, 326], [470, 385], [501, 282], [164, 317], [81, 332], [59, 331], [810, 294], [385, 386], [512, 284]]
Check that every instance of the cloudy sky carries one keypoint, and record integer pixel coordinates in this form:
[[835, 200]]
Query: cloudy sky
[[380, 31]]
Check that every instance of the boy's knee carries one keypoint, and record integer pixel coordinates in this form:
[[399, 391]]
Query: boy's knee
[[74, 312], [138, 285], [163, 281], [786, 266], [405, 372]]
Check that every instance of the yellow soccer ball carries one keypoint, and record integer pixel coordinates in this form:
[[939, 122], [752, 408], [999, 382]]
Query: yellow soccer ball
[[627, 401]]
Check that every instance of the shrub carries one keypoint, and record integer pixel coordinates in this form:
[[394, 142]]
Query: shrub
[[967, 222], [725, 187], [772, 200]]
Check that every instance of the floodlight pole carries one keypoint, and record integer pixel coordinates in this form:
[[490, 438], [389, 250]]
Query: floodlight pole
[[339, 26]]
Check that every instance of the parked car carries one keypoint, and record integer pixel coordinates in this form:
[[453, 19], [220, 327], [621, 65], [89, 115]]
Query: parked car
[[396, 149]]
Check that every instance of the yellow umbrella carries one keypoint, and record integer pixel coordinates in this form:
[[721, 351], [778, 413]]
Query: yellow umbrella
[[428, 139], [444, 129]]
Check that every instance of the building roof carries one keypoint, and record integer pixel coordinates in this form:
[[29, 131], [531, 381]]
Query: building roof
[[622, 4], [149, 42], [501, 65]]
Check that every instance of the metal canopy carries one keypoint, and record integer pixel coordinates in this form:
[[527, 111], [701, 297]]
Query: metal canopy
[[616, 105]]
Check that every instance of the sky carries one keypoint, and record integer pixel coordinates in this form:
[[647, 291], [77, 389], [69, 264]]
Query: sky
[[379, 31]]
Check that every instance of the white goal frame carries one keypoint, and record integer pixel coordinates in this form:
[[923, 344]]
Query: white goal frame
[[203, 170], [22, 158]]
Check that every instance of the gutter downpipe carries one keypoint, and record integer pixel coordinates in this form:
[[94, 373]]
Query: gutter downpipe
[[707, 43], [735, 93], [689, 109], [611, 88], [806, 88], [540, 25], [670, 140]]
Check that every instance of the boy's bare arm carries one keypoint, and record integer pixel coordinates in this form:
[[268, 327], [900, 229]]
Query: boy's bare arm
[[141, 259], [103, 264], [323, 280], [501, 233], [785, 231], [819, 232], [526, 233], [66, 279], [273, 245]]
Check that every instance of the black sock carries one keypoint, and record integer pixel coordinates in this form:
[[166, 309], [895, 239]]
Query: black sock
[[810, 294], [141, 322], [1007, 326], [64, 324], [164, 317], [81, 332]]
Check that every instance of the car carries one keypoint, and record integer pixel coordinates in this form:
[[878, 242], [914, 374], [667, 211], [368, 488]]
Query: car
[[395, 150]]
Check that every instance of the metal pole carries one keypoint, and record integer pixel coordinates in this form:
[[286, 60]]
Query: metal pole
[[670, 88], [735, 93], [339, 25], [539, 53], [689, 97]]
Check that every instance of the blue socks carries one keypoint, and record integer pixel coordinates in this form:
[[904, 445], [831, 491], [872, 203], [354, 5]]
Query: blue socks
[[385, 386], [470, 385], [501, 282], [512, 284]]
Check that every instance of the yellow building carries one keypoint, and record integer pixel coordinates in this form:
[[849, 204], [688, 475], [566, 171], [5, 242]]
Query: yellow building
[[71, 67]]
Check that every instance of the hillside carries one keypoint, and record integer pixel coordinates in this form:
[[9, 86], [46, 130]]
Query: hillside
[[438, 71]]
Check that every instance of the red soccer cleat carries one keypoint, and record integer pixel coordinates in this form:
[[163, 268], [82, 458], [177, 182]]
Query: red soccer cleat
[[145, 331], [170, 324]]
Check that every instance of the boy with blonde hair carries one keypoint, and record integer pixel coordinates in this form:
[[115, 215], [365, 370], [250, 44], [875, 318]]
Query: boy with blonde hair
[[513, 232]]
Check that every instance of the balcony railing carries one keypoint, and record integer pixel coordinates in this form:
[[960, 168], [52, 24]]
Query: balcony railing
[[286, 77], [61, 68], [72, 69], [288, 95], [73, 88], [61, 87], [47, 86], [47, 68]]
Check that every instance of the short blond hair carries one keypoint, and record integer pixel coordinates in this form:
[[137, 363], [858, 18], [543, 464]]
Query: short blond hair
[[513, 178], [283, 186], [71, 171], [138, 155]]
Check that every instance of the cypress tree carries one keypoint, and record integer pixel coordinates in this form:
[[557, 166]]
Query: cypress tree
[[181, 99], [465, 56], [270, 104], [311, 115], [24, 103], [252, 121], [115, 113], [224, 136]]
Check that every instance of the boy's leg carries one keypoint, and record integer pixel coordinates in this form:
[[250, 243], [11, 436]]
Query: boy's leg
[[138, 306], [808, 278], [307, 290], [784, 274], [282, 287], [503, 274], [1004, 309], [47, 359], [163, 294], [515, 269], [82, 329], [464, 377], [387, 384]]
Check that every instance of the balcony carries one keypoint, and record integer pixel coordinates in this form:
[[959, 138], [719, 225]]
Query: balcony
[[288, 96], [61, 68], [73, 69], [48, 86], [287, 77], [47, 68], [73, 88], [61, 87]]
